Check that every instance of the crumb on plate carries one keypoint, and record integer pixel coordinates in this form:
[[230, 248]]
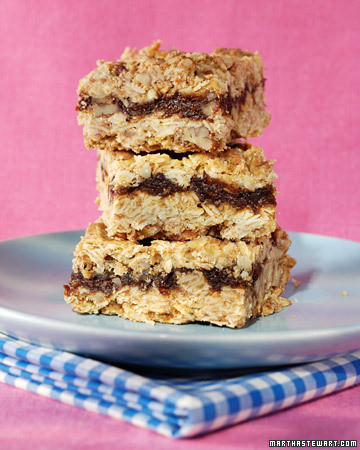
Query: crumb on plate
[[295, 282]]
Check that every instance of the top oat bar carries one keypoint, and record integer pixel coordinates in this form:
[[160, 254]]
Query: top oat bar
[[166, 99]]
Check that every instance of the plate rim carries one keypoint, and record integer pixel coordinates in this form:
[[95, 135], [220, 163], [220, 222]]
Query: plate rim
[[113, 332]]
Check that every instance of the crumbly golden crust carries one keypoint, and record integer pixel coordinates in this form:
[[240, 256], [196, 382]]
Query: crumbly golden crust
[[157, 195], [150, 73], [205, 279], [181, 217], [156, 99], [150, 133], [193, 302], [98, 252], [242, 165]]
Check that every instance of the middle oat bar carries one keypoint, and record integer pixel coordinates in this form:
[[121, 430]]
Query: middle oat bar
[[173, 196]]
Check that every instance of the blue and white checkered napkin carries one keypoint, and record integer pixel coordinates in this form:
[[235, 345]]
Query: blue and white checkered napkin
[[170, 406]]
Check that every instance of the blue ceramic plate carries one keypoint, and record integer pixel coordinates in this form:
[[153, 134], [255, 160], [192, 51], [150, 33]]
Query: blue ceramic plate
[[320, 323]]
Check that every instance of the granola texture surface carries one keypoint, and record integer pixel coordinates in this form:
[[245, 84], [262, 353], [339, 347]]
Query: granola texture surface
[[160, 99], [206, 279], [188, 231], [166, 195]]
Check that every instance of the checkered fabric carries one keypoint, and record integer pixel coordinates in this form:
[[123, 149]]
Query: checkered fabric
[[173, 407]]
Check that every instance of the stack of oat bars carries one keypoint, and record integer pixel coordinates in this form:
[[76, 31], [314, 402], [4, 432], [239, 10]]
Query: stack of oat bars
[[188, 229]]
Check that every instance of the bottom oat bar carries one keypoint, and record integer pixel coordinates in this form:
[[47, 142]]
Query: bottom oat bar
[[205, 279]]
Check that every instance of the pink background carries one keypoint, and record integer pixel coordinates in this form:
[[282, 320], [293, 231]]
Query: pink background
[[311, 52]]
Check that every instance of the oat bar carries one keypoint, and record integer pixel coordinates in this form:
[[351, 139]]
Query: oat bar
[[171, 196], [167, 99], [205, 279]]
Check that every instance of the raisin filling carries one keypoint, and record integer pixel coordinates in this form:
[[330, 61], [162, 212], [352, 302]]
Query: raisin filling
[[207, 189], [217, 192], [186, 106], [108, 283]]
